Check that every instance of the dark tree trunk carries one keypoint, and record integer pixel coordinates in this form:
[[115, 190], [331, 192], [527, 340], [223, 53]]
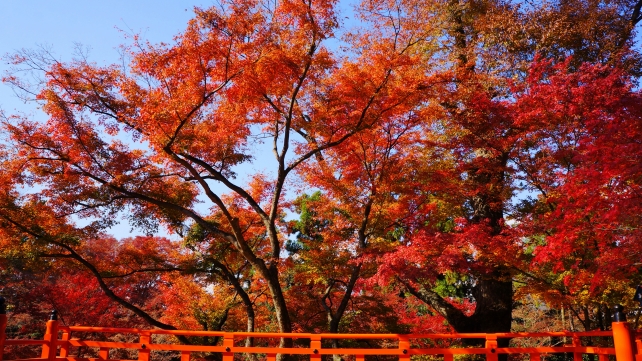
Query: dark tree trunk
[[493, 289], [280, 307], [493, 310], [334, 317]]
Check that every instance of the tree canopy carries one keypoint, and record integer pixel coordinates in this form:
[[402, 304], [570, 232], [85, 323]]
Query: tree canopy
[[434, 167]]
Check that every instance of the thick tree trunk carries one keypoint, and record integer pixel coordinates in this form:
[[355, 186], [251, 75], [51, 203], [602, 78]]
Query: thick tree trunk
[[493, 310], [280, 307], [493, 289]]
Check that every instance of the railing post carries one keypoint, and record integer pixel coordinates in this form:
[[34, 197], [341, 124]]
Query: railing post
[[103, 353], [64, 343], [491, 345], [577, 342], [228, 343], [145, 339], [3, 325], [622, 336], [49, 349], [404, 347], [186, 355], [315, 346]]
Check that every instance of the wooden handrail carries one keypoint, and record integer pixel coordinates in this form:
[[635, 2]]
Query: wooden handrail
[[404, 349], [371, 336]]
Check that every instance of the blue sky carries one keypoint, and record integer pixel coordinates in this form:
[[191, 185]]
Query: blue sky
[[99, 25]]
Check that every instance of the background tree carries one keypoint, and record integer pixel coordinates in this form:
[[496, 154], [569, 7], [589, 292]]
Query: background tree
[[489, 47]]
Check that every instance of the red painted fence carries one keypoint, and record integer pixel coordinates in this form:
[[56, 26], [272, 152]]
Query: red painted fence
[[58, 344]]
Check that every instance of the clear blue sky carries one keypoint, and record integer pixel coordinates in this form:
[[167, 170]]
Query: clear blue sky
[[97, 24]]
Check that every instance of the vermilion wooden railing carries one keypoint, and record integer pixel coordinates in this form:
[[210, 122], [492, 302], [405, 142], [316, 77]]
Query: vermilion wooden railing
[[626, 343]]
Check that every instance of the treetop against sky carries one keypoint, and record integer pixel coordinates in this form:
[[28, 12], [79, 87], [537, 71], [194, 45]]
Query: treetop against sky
[[100, 27], [99, 30]]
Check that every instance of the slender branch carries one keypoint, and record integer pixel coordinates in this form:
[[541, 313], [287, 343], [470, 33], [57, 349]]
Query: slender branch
[[431, 298], [221, 178]]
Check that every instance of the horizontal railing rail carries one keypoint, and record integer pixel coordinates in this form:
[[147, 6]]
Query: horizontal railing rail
[[58, 343]]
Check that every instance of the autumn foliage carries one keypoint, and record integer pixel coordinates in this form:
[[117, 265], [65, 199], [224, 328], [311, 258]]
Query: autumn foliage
[[284, 170]]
